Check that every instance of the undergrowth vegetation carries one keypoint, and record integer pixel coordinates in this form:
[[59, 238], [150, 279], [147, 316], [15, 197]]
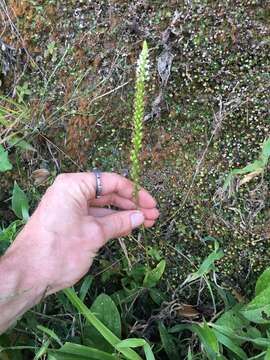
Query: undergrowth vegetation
[[196, 286]]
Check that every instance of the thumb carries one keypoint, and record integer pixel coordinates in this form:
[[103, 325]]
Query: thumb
[[120, 223]]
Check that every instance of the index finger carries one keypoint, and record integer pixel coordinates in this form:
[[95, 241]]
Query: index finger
[[114, 183]]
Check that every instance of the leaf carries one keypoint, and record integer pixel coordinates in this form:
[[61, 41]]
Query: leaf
[[206, 266], [5, 164], [43, 350], [263, 281], [148, 352], [87, 282], [208, 263], [230, 344], [179, 328], [106, 311], [9, 233], [167, 342], [187, 311], [252, 169], [20, 205], [137, 273], [20, 143], [153, 276], [125, 296], [190, 357], [231, 334], [155, 253], [247, 178], [102, 329], [258, 310], [50, 333], [235, 321], [40, 175], [267, 355], [266, 151], [71, 351], [157, 296], [208, 339], [257, 165], [132, 343]]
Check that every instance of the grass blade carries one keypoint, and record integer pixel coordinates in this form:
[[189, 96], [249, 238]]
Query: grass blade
[[92, 319]]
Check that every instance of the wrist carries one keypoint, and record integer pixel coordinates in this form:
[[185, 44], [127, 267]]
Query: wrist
[[19, 287], [17, 277]]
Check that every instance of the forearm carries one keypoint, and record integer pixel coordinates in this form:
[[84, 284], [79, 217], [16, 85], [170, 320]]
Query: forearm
[[19, 289]]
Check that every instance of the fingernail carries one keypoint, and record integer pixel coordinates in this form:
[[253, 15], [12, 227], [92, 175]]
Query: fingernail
[[136, 219]]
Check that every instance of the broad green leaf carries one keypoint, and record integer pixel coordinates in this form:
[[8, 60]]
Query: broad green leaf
[[235, 321], [153, 276], [208, 339], [190, 357], [263, 282], [231, 334], [106, 311], [258, 310], [102, 329], [148, 352], [20, 205], [132, 343], [230, 344], [71, 351], [167, 342], [5, 164]]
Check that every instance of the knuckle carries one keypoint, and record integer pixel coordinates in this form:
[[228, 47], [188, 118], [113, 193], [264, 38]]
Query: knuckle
[[121, 223], [61, 178], [62, 181]]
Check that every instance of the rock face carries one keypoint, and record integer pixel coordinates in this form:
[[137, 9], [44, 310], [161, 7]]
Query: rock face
[[207, 113]]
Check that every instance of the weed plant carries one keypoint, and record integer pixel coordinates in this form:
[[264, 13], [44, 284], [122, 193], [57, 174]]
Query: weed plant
[[142, 74]]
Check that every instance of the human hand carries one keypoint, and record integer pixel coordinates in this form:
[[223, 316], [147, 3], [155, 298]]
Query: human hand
[[69, 226]]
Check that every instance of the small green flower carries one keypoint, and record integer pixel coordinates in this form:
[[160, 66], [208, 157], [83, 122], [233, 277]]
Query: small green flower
[[142, 75]]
